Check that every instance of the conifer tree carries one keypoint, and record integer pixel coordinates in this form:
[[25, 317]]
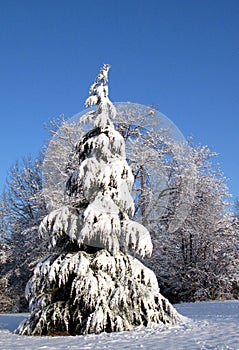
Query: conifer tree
[[92, 282]]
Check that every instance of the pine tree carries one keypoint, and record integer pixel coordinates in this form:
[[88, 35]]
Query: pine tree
[[90, 283]]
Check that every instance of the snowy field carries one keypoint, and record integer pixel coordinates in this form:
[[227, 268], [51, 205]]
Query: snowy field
[[213, 325]]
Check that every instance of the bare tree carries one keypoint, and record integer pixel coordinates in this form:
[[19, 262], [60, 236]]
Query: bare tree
[[196, 242], [22, 208]]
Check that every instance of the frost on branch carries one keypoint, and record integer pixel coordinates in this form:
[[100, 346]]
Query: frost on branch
[[91, 283]]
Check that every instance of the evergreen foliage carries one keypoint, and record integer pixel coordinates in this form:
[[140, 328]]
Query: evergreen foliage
[[90, 283]]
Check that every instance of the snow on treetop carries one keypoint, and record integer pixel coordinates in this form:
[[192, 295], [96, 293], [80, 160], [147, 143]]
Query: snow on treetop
[[99, 189], [99, 96]]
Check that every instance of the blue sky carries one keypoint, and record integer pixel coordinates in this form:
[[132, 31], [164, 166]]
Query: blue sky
[[180, 55]]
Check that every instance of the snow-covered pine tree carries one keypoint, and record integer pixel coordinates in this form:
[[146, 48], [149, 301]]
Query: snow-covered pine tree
[[90, 283]]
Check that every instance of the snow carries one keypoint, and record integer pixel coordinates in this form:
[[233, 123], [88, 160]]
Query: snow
[[211, 325], [120, 285]]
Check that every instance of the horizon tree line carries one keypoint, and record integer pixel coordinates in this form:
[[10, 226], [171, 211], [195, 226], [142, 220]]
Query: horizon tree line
[[180, 195]]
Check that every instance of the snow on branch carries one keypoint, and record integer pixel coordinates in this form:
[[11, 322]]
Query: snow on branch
[[106, 292], [99, 96], [90, 283]]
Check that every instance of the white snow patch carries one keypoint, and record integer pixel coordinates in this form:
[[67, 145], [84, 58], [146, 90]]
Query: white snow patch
[[212, 325]]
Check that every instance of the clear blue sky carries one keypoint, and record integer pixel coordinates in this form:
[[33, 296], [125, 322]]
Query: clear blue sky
[[180, 55]]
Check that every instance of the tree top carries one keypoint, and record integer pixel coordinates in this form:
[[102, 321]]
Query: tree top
[[99, 89]]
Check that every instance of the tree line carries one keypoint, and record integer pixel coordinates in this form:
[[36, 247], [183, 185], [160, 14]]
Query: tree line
[[180, 194]]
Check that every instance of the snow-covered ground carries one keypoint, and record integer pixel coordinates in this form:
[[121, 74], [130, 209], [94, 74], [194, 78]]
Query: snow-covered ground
[[212, 325]]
